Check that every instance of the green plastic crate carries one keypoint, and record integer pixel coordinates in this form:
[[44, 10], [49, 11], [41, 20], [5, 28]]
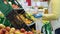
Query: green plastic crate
[[5, 21], [5, 8]]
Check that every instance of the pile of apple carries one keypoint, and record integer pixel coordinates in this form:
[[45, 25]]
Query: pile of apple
[[8, 30]]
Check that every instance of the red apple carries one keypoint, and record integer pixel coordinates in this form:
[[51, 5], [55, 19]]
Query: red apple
[[25, 32], [22, 30], [4, 31], [7, 28], [1, 32], [30, 32]]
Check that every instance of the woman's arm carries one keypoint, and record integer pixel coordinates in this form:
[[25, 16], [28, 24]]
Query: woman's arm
[[55, 10], [50, 16]]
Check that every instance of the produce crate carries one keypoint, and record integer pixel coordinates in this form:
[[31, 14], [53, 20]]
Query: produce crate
[[4, 21], [11, 16]]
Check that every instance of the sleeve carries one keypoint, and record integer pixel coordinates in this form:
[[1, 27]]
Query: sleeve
[[55, 10]]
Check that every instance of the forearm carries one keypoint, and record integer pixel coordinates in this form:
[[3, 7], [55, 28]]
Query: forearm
[[50, 16]]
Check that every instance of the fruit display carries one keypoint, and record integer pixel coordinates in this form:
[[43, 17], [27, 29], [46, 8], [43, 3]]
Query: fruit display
[[9, 30], [26, 20]]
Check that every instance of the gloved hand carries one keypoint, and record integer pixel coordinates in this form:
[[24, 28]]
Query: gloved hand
[[37, 15]]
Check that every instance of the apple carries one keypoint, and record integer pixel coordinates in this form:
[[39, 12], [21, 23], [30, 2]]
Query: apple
[[15, 6], [12, 30], [22, 30], [21, 33], [2, 26], [7, 28], [1, 15], [1, 32], [30, 32], [6, 32], [17, 32], [25, 32]]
